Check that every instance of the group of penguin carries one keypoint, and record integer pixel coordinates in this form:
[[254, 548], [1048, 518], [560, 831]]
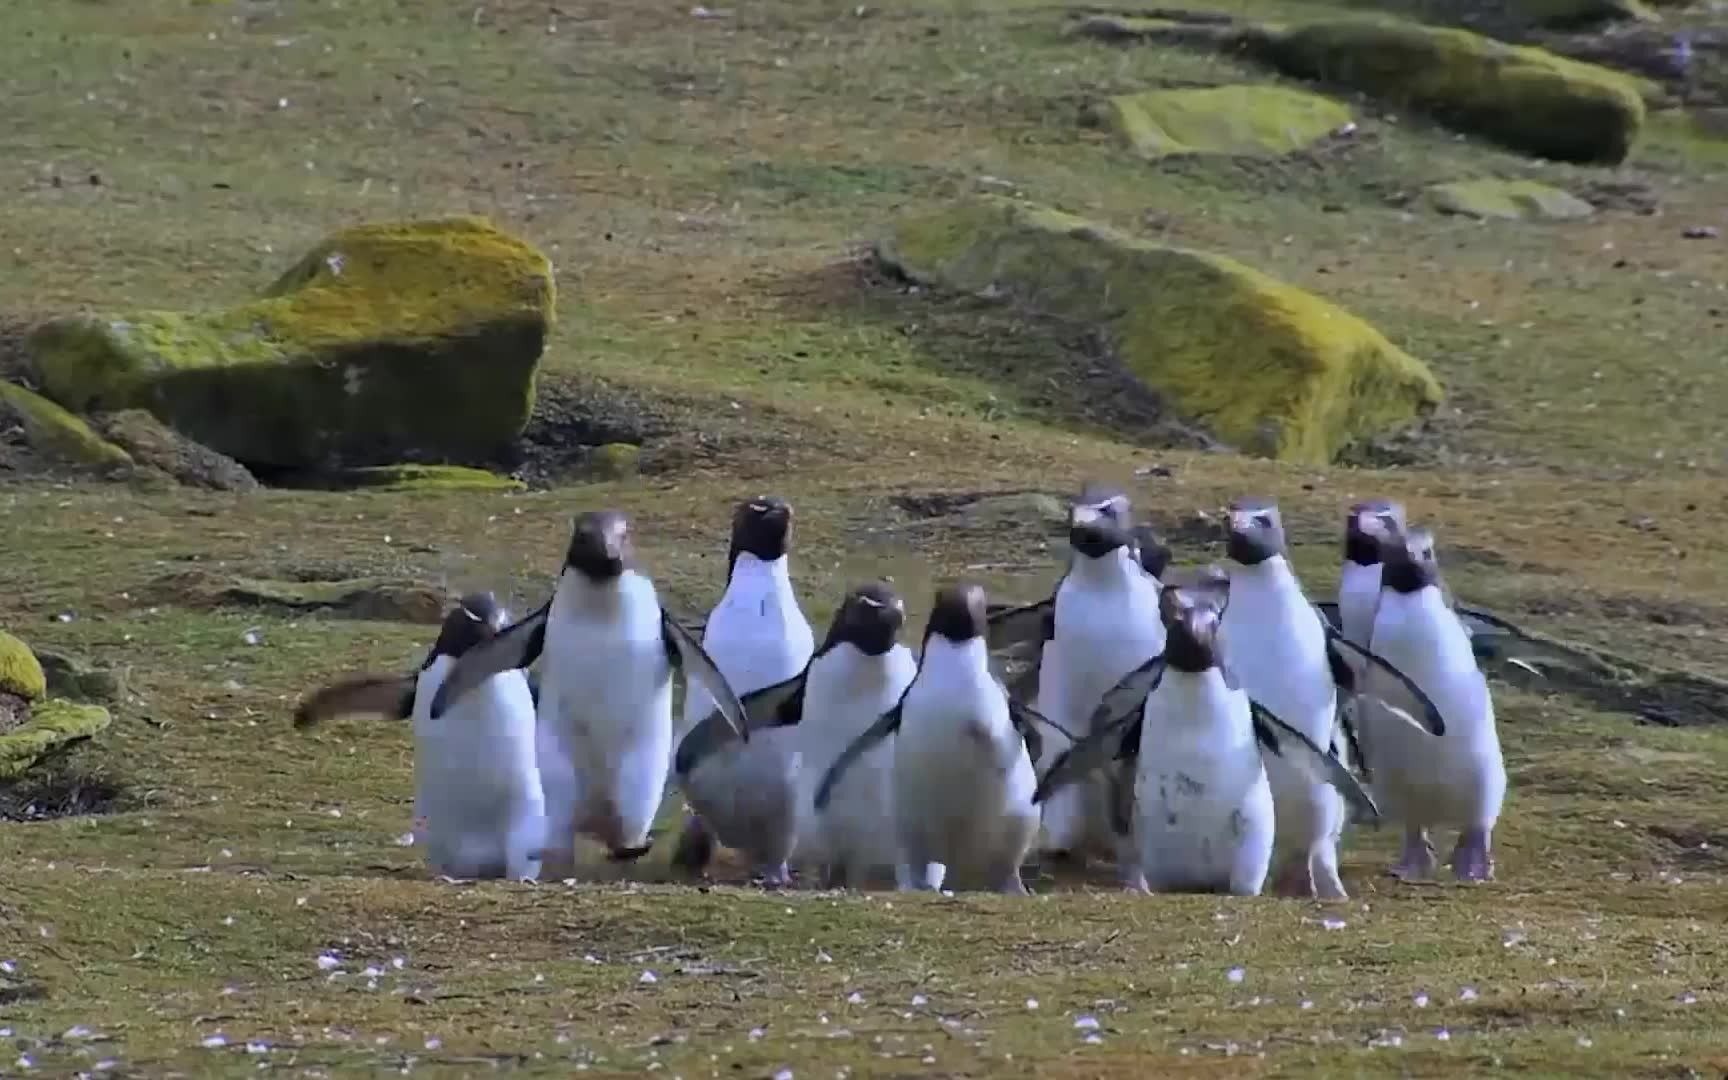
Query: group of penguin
[[1206, 730]]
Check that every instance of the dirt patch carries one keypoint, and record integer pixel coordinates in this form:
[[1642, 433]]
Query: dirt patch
[[14, 710], [49, 792], [361, 598], [1694, 845]]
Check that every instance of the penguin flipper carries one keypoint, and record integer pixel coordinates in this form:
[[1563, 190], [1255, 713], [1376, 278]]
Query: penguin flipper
[[779, 705], [515, 646], [685, 653], [886, 724], [1414, 702], [1088, 755], [1026, 721], [533, 678], [1329, 614], [1128, 695], [390, 696], [1298, 750], [1010, 627]]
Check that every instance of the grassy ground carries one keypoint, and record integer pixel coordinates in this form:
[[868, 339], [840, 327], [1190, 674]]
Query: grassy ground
[[704, 185]]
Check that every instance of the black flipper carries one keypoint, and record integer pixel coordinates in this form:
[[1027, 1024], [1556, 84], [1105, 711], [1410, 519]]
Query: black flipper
[[1026, 720], [1014, 626], [1128, 695], [533, 687], [515, 646], [1299, 751], [1330, 614], [886, 724], [779, 705], [389, 696], [1088, 755], [687, 654], [1418, 704], [1122, 776]]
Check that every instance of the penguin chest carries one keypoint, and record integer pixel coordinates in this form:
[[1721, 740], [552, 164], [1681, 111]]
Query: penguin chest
[[1358, 595], [755, 641], [604, 685], [476, 762], [1101, 635], [1201, 792], [957, 753], [1276, 649]]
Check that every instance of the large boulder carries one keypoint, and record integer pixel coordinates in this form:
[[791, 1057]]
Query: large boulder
[[1262, 121], [55, 435], [1267, 367], [384, 341], [1524, 98]]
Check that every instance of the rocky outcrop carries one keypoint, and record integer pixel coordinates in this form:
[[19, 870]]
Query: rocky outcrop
[[32, 725], [383, 343], [1260, 121], [1267, 367], [1508, 200], [56, 436]]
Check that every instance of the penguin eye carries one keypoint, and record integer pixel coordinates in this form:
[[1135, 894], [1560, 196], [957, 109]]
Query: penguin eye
[[1263, 520]]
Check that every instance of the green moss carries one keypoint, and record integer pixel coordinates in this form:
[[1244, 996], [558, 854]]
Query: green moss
[[613, 461], [1268, 367], [55, 433], [20, 673], [1524, 98], [1511, 200], [1241, 120], [384, 338], [52, 724], [429, 478]]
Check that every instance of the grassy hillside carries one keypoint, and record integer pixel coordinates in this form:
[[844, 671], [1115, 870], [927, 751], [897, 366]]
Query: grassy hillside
[[706, 186]]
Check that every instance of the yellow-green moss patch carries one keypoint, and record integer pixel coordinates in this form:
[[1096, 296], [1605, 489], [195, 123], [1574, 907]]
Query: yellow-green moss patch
[[1510, 200], [56, 434], [20, 672], [428, 478], [1524, 98], [1237, 120], [381, 340], [52, 725], [613, 461], [1267, 367]]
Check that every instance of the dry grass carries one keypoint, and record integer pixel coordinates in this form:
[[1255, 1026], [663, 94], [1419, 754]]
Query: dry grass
[[701, 184]]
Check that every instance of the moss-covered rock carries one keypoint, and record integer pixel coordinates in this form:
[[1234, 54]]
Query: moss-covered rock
[[1510, 200], [612, 461], [384, 339], [1524, 98], [154, 445], [427, 478], [76, 679], [52, 726], [1237, 120], [1267, 367], [55, 434], [20, 672]]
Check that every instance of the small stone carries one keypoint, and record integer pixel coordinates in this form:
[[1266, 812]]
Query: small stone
[[1235, 974], [1086, 1023], [326, 962], [213, 1042], [1701, 232], [648, 978]]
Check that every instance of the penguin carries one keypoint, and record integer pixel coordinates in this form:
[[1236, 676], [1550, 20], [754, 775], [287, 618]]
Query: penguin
[[1458, 778], [1359, 580], [1102, 622], [1202, 816], [479, 808], [757, 636], [1279, 646], [604, 720], [962, 755], [858, 673]]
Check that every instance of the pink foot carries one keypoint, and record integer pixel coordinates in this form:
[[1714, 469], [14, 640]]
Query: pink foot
[[1417, 861], [1472, 859]]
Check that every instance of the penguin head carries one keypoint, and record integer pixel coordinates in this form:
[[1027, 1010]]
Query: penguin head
[[475, 618], [1256, 532], [1408, 563], [959, 613], [1098, 522], [1192, 615], [600, 547], [1152, 553], [1361, 542], [869, 619], [761, 526]]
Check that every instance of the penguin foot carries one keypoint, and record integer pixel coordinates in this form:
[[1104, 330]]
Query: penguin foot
[[629, 854], [1014, 885], [695, 848], [1417, 861], [1295, 878], [1327, 884], [773, 877], [1472, 859]]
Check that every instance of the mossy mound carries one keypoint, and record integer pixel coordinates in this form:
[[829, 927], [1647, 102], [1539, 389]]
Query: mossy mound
[[426, 478], [20, 672], [52, 725], [1523, 98], [385, 340], [1267, 367], [1509, 200], [55, 434], [1262, 121], [75, 679], [383, 599], [612, 461]]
